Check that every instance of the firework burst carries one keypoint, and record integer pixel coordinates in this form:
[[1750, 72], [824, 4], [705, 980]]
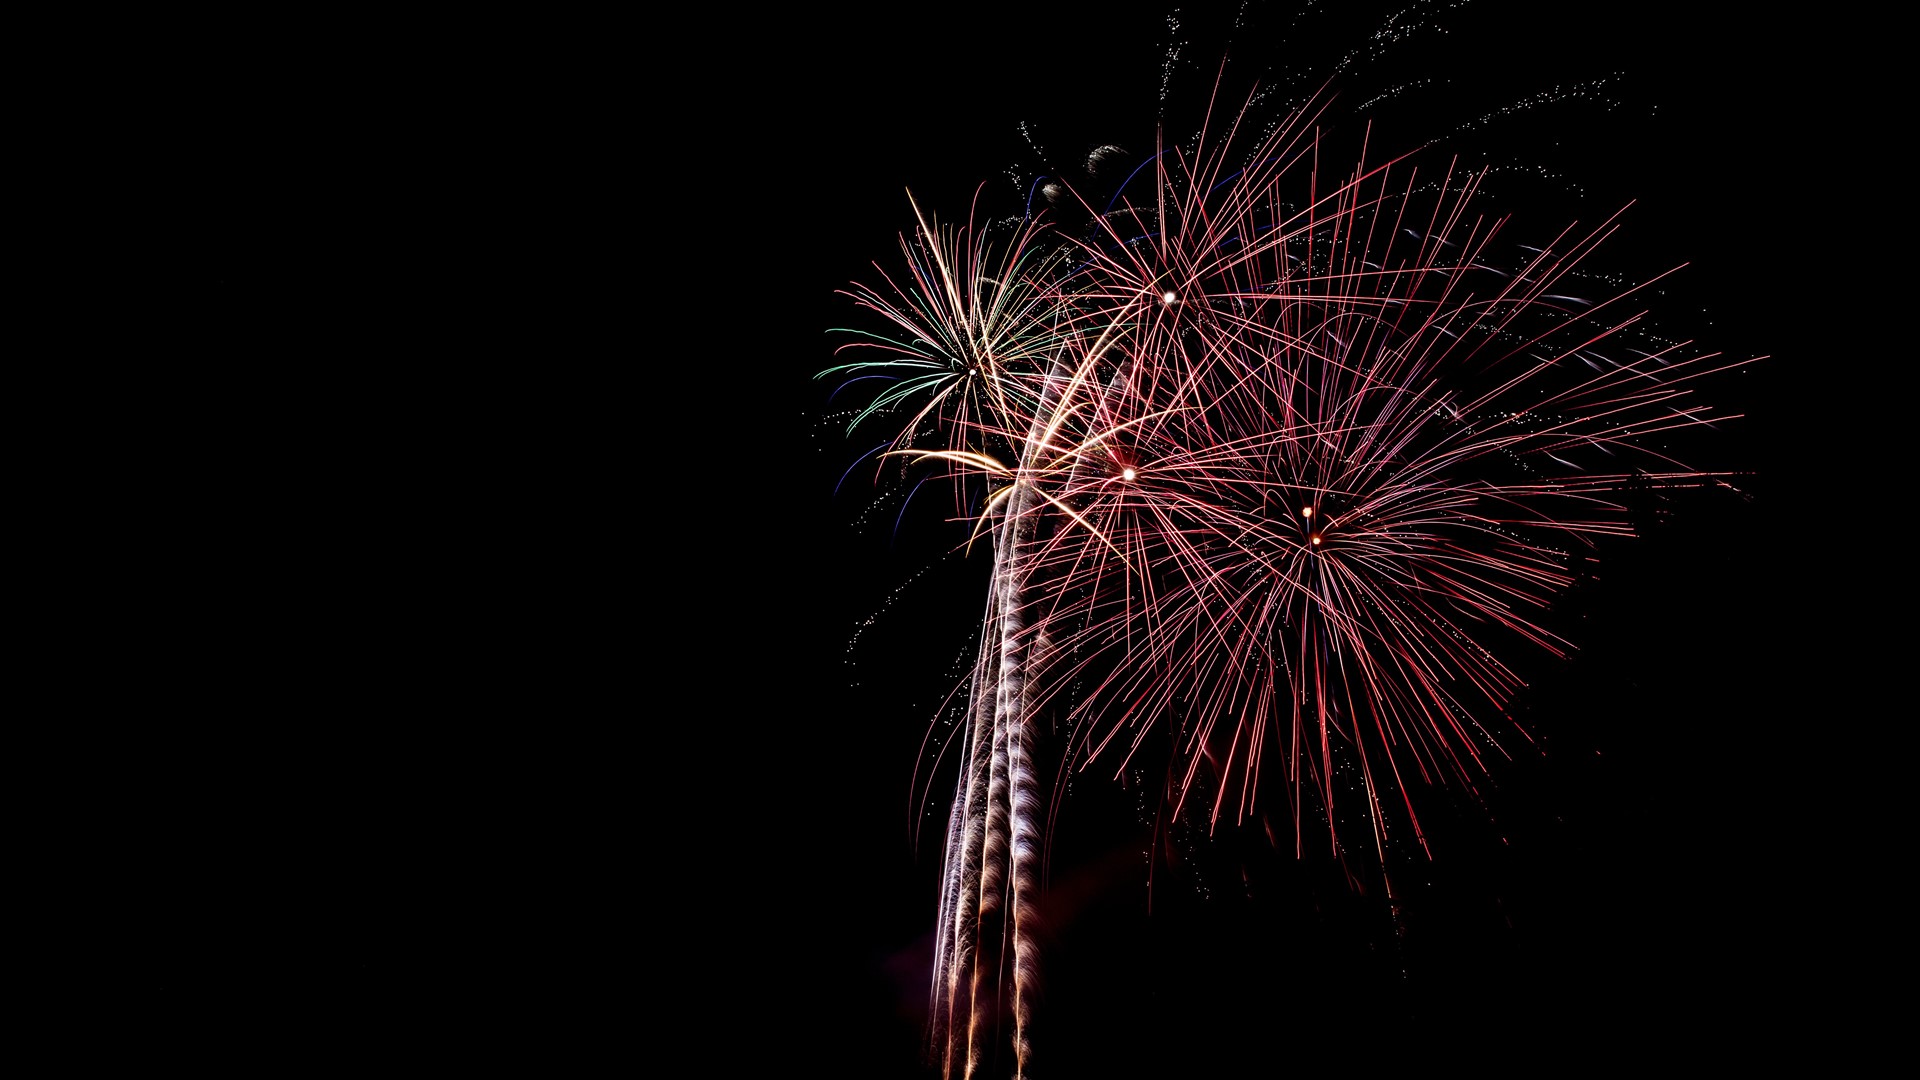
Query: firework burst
[[1280, 465]]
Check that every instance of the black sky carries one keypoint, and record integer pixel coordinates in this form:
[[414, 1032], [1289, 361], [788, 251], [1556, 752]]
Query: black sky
[[544, 716], [1647, 894]]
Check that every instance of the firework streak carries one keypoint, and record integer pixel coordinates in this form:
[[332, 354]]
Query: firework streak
[[1276, 466]]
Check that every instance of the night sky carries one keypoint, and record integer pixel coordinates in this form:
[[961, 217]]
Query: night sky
[[597, 721], [1641, 902]]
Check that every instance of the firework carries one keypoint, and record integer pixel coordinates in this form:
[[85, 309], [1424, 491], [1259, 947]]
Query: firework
[[1282, 470]]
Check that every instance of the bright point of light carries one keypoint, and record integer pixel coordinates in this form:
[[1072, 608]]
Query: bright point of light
[[1306, 511], [1127, 474], [1316, 539], [1168, 297]]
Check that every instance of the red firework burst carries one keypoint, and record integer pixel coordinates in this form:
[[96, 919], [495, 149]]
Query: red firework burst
[[1280, 468]]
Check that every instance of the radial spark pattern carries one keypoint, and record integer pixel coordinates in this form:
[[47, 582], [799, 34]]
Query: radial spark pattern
[[1280, 468]]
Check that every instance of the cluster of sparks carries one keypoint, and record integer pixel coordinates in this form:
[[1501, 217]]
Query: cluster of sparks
[[1275, 463]]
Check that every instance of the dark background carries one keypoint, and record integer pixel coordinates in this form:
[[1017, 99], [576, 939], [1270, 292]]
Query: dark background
[[516, 698], [1657, 889]]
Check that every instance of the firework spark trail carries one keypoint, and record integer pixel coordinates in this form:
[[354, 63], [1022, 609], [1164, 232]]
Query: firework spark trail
[[1002, 857], [1277, 466], [960, 901]]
